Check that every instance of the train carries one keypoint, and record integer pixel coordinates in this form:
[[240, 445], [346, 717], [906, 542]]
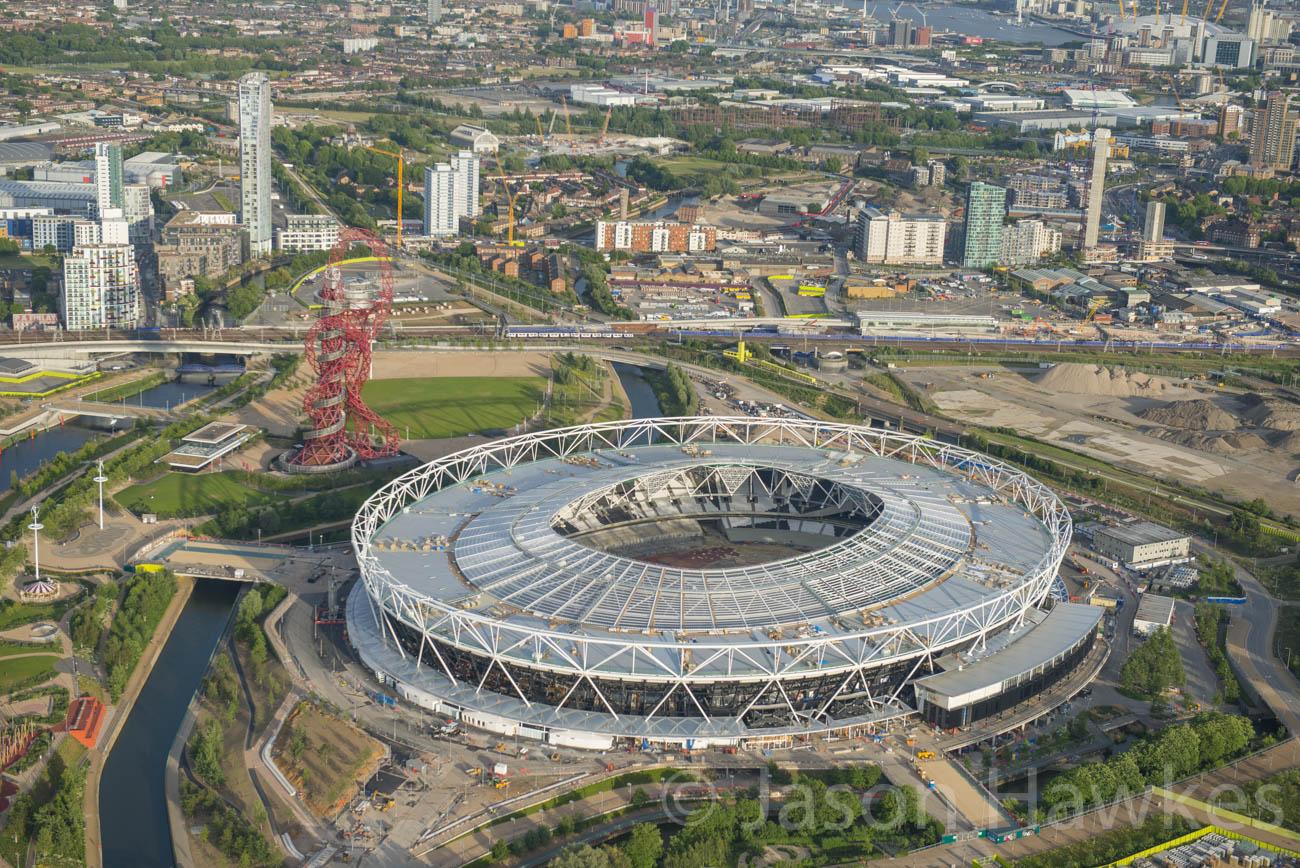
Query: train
[[566, 332]]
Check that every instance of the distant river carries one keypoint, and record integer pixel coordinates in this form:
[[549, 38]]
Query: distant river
[[973, 22]]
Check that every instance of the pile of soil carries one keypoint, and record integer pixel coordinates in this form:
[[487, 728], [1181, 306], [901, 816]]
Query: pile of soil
[[1080, 379], [1271, 413], [1198, 414]]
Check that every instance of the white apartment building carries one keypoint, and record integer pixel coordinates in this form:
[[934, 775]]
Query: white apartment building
[[1027, 241], [137, 209], [109, 177], [101, 288], [63, 232], [898, 239], [304, 233], [451, 192], [255, 161]]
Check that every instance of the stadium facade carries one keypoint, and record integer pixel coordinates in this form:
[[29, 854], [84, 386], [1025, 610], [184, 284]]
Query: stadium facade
[[712, 580]]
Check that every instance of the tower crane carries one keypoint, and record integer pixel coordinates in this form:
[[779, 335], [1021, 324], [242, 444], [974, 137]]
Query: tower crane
[[510, 206], [1173, 85], [401, 163], [541, 136], [568, 125], [604, 128]]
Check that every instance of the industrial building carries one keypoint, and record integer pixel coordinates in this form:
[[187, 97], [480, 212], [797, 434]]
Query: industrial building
[[1142, 544], [1153, 612], [874, 322], [711, 581], [476, 139]]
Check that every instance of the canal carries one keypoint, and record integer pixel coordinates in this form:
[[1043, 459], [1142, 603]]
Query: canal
[[132, 798], [645, 404], [28, 453]]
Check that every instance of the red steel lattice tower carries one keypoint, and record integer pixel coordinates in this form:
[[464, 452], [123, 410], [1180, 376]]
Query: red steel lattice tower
[[338, 350]]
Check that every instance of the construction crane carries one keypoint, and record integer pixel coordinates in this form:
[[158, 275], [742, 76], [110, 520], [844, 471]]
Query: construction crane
[[541, 136], [401, 164], [1097, 304], [1209, 7], [510, 205], [568, 126], [1173, 85], [604, 128], [1122, 15]]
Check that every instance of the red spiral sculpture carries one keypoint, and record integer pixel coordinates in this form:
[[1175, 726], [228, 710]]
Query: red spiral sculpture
[[338, 350]]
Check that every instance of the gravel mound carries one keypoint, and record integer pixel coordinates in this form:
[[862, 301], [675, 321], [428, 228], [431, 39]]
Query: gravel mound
[[1271, 413], [1080, 379], [1198, 415]]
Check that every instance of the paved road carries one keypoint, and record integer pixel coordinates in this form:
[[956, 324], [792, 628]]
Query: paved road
[[1250, 646]]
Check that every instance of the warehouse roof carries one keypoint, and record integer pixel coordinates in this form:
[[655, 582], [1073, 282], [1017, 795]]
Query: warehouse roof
[[1155, 609], [25, 152], [1141, 533]]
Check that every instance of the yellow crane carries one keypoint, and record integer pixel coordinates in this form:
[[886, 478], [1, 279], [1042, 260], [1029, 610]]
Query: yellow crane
[[1097, 304], [1183, 20], [1182, 110], [1121, 10], [568, 127], [510, 206], [609, 113], [1222, 8], [541, 136], [401, 183]]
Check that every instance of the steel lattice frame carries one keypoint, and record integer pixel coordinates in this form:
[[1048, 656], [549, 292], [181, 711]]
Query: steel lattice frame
[[701, 659], [338, 348]]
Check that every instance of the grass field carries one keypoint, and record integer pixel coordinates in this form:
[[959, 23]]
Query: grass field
[[185, 494], [19, 669], [437, 407]]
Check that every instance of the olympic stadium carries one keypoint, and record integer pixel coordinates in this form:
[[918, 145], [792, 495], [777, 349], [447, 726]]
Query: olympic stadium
[[713, 581]]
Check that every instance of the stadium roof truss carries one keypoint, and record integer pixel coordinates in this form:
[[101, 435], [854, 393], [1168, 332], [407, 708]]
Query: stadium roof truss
[[740, 651]]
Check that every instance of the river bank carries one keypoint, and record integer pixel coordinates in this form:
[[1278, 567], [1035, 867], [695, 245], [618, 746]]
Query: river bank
[[94, 839], [133, 824]]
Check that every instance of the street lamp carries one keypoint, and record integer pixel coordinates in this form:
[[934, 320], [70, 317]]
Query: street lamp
[[101, 479], [35, 528]]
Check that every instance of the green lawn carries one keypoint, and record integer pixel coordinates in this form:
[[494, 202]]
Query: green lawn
[[436, 407], [185, 494], [18, 670]]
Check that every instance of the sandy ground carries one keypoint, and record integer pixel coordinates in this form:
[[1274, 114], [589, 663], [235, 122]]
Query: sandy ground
[[1106, 427], [398, 364], [278, 412]]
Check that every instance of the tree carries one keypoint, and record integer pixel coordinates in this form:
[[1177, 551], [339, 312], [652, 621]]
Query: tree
[[644, 845], [1154, 667]]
